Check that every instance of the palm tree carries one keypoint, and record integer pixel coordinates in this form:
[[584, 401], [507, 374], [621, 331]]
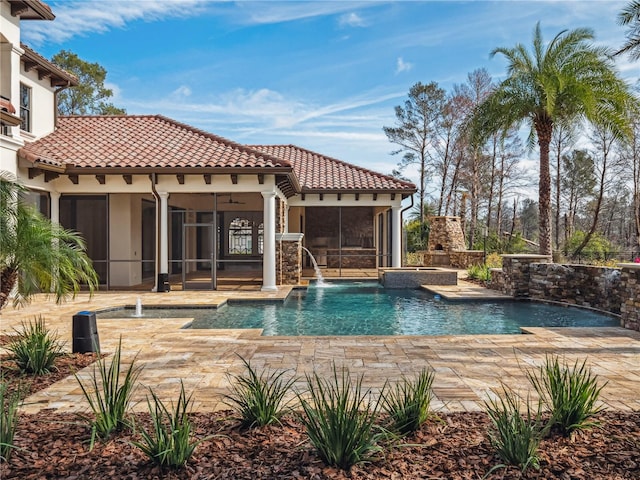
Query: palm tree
[[630, 15], [36, 254], [568, 81]]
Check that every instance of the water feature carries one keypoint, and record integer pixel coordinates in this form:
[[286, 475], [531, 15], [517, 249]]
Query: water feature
[[365, 308], [138, 313], [316, 268]]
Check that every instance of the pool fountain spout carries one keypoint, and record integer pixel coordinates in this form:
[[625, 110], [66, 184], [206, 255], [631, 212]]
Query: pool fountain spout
[[316, 268], [138, 313]]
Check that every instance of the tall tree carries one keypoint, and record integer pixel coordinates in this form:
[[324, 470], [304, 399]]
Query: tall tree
[[561, 140], [36, 254], [630, 154], [577, 184], [630, 15], [90, 96], [567, 81], [416, 126], [605, 162]]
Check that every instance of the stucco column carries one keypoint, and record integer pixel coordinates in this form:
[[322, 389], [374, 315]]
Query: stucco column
[[269, 250], [54, 210], [55, 206], [163, 274], [396, 236]]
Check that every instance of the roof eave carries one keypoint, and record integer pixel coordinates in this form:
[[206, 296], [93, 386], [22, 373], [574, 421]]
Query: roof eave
[[78, 170], [45, 68]]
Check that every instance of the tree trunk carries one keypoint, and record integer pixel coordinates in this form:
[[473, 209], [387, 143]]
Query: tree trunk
[[606, 145], [8, 278], [558, 165], [544, 129]]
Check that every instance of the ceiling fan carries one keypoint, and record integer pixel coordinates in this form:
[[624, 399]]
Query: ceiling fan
[[231, 201]]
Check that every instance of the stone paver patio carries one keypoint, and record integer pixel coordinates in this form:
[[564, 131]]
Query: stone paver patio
[[467, 367]]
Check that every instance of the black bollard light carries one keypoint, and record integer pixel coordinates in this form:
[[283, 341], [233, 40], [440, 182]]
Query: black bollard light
[[85, 333]]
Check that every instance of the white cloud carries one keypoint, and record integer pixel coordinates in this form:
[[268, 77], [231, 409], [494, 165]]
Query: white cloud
[[116, 91], [182, 91], [82, 17], [351, 20], [267, 12], [402, 66], [242, 114]]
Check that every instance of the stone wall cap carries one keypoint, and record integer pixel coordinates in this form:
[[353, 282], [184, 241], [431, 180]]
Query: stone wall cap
[[630, 265], [528, 255], [289, 237]]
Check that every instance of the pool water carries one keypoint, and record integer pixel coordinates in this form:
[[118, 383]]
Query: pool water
[[368, 309]]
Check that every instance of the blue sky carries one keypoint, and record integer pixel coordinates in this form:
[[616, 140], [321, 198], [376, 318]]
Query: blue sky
[[322, 75]]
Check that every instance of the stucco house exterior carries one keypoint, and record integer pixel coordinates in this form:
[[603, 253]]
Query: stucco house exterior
[[160, 201]]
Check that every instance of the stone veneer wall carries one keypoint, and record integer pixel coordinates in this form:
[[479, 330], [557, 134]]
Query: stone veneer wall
[[615, 290], [466, 258], [630, 293], [515, 271], [289, 259], [446, 233], [583, 285]]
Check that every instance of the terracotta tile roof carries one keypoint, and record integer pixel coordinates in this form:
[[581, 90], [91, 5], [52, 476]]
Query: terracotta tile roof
[[31, 10], [58, 76], [140, 141], [317, 172]]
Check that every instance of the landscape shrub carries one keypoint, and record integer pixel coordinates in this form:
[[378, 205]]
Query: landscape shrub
[[514, 434], [479, 272], [109, 394], [339, 419], [35, 349], [9, 402], [407, 403], [259, 398], [569, 392], [169, 443]]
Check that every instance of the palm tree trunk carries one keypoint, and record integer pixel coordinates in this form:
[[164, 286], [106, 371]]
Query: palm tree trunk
[[8, 278], [544, 130]]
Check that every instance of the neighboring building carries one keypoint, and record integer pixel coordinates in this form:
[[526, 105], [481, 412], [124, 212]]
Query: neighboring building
[[160, 201]]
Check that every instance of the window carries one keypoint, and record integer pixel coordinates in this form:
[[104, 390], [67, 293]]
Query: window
[[241, 237], [25, 107]]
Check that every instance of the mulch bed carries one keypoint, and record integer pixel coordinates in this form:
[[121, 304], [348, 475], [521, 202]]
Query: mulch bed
[[53, 445], [67, 364]]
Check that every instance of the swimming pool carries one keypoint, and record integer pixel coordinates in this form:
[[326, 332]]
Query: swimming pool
[[366, 308]]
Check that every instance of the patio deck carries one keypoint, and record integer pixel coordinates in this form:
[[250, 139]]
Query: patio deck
[[467, 367]]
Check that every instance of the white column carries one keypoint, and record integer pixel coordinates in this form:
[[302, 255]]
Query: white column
[[54, 210], [164, 236], [55, 207], [396, 236], [269, 250]]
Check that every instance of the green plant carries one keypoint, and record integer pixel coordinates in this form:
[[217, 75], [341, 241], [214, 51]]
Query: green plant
[[494, 260], [479, 272], [109, 394], [36, 254], [9, 402], [407, 402], [514, 434], [169, 442], [35, 348], [258, 397], [570, 393], [339, 420]]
